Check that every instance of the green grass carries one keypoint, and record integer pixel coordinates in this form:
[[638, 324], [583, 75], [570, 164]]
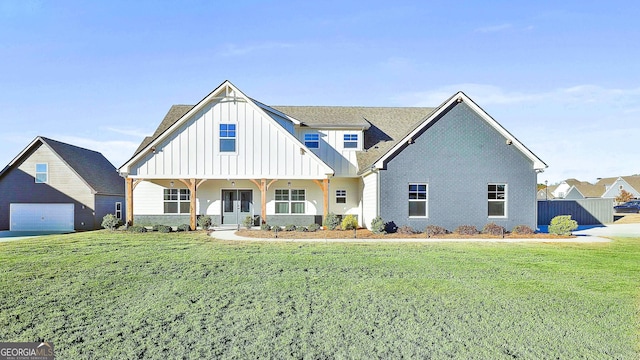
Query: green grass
[[184, 295]]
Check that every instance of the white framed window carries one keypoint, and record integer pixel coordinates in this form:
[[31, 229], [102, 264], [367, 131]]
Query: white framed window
[[350, 141], [177, 201], [312, 141], [418, 200], [341, 196], [118, 210], [497, 200], [42, 173], [290, 201], [228, 137]]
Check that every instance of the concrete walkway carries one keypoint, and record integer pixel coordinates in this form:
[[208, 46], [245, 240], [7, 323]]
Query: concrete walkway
[[612, 230], [6, 235], [230, 235]]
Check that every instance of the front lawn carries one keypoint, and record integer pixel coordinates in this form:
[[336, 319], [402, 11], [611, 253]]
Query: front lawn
[[117, 295]]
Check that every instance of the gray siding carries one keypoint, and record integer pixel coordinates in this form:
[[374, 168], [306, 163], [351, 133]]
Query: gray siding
[[584, 211], [458, 156], [106, 204]]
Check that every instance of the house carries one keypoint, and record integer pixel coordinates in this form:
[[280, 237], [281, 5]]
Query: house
[[51, 186], [612, 186], [230, 156]]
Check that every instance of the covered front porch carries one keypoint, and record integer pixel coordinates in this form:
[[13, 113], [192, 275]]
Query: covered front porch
[[227, 201]]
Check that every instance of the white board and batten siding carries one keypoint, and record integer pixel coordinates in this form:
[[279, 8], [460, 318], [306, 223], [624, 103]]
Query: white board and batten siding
[[331, 150], [264, 149]]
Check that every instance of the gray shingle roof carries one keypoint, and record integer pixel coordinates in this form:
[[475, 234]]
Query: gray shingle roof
[[91, 166], [174, 114], [386, 125]]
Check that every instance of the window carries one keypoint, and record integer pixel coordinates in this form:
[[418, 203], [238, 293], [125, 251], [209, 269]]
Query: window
[[227, 137], [312, 141], [290, 201], [350, 141], [497, 196], [341, 196], [118, 211], [42, 173], [177, 201], [417, 200]]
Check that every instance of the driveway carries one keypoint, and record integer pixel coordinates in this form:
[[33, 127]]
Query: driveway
[[611, 230], [6, 235]]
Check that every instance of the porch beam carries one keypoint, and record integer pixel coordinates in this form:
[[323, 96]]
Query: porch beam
[[192, 186], [129, 195], [324, 185], [262, 186]]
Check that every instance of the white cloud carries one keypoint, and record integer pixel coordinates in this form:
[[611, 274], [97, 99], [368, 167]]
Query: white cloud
[[130, 132], [235, 50], [493, 28]]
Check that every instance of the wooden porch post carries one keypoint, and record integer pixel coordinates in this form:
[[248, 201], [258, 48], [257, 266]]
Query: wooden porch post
[[191, 185], [262, 186], [324, 185]]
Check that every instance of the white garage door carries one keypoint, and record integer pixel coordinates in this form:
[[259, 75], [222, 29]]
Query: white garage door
[[41, 217]]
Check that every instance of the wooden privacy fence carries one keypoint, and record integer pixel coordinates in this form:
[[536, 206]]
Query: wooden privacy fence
[[585, 211]]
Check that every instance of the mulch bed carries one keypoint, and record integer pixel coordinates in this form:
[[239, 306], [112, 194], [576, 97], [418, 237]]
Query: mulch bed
[[367, 234]]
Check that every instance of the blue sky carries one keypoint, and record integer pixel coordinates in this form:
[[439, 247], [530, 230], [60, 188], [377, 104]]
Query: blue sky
[[561, 76]]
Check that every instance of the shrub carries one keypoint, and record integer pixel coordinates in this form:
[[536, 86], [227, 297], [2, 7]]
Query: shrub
[[205, 222], [331, 221], [110, 222], [248, 222], [301, 229], [137, 229], [162, 228], [466, 230], [494, 229], [349, 223], [313, 227], [522, 230], [265, 227], [390, 227], [406, 230], [377, 225], [184, 227], [562, 225], [290, 227], [435, 230]]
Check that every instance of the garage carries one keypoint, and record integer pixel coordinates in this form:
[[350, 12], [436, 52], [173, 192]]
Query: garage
[[41, 217]]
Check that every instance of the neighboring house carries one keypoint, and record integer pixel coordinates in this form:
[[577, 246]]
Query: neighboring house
[[51, 185], [583, 190], [546, 193], [230, 157], [614, 185]]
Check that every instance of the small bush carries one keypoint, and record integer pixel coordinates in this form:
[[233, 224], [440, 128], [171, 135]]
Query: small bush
[[313, 227], [110, 222], [205, 222], [406, 230], [184, 227], [432, 230], [349, 222], [137, 229], [290, 227], [248, 222], [265, 227], [276, 228], [163, 228], [301, 229], [377, 225], [562, 225], [331, 221], [522, 230], [494, 229], [466, 230]]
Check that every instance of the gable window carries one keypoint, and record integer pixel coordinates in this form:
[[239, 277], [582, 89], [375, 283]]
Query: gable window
[[312, 141], [497, 197], [290, 201], [177, 201], [118, 210], [341, 196], [417, 200], [350, 141], [227, 137], [42, 173]]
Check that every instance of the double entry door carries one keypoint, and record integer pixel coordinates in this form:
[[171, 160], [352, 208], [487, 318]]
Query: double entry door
[[236, 206]]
